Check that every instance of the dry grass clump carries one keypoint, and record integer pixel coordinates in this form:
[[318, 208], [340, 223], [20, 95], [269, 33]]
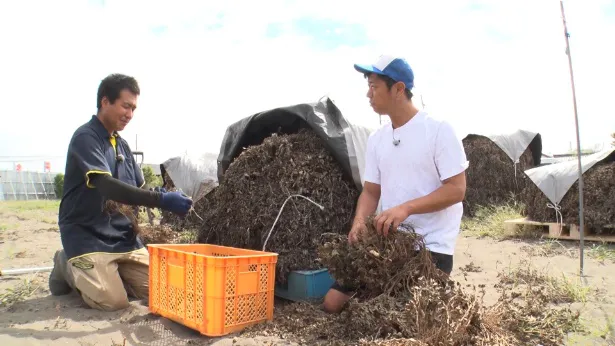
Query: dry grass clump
[[22, 291], [489, 222], [557, 289], [527, 310], [158, 234]]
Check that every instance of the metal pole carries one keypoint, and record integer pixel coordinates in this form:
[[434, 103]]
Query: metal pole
[[24, 186], [42, 184], [25, 271], [33, 185], [576, 123]]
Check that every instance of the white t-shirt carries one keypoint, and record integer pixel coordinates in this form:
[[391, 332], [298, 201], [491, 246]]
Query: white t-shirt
[[428, 152]]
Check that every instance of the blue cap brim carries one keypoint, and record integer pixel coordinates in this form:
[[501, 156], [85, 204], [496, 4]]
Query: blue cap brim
[[367, 69]]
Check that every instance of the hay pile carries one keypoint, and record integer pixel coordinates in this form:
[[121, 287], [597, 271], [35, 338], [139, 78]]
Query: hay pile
[[241, 211], [598, 198], [491, 178], [409, 302]]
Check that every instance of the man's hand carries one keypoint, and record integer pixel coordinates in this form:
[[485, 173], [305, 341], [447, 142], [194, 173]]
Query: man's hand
[[176, 202], [391, 218], [358, 229], [366, 205]]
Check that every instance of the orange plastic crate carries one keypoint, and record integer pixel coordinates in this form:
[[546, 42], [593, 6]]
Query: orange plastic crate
[[216, 290]]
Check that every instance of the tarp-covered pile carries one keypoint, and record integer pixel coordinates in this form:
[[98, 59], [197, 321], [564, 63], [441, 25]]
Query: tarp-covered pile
[[556, 190], [496, 167], [308, 150]]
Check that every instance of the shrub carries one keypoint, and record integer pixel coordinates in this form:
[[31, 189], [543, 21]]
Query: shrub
[[58, 185], [151, 180]]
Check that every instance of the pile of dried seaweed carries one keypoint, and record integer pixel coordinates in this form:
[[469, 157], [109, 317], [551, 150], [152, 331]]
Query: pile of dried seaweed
[[599, 200], [492, 177], [241, 211], [417, 304]]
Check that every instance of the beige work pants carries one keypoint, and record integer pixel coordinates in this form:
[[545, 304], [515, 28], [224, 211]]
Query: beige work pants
[[105, 280]]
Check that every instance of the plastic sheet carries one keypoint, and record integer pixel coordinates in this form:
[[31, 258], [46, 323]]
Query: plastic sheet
[[346, 141], [514, 144], [195, 177], [556, 179]]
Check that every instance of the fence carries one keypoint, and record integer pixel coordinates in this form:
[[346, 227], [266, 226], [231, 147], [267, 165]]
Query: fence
[[26, 185]]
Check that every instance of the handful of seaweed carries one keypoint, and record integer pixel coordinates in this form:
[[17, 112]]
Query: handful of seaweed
[[378, 265], [112, 207]]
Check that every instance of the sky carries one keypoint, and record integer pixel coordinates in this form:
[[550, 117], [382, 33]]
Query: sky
[[487, 67]]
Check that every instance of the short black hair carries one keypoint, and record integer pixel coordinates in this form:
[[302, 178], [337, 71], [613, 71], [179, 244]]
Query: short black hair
[[113, 84], [390, 82]]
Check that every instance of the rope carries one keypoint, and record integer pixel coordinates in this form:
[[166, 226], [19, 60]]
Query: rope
[[280, 212], [559, 218]]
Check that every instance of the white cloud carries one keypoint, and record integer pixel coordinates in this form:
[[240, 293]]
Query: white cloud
[[203, 65]]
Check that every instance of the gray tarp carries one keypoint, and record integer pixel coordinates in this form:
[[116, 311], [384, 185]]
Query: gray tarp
[[514, 144], [346, 142], [556, 179], [195, 177]]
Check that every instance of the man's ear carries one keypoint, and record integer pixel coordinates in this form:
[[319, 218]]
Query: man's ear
[[105, 101], [400, 88]]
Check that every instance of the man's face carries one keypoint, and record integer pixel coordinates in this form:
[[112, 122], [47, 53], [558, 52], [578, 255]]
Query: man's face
[[380, 97], [119, 113]]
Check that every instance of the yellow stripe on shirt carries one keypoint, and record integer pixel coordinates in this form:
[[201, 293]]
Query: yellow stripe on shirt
[[87, 177]]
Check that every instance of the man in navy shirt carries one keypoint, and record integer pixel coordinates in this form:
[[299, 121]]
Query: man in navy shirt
[[102, 258]]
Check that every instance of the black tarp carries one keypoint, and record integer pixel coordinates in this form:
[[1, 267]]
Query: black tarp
[[345, 141]]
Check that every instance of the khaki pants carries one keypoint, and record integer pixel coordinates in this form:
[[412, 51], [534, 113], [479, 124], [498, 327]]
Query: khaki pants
[[105, 280]]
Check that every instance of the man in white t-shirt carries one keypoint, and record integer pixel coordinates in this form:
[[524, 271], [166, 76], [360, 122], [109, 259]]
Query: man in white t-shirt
[[415, 166]]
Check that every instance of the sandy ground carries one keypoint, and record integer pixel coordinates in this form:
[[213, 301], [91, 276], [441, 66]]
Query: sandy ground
[[41, 319]]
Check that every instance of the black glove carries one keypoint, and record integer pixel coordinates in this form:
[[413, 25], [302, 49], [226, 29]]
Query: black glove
[[175, 202]]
